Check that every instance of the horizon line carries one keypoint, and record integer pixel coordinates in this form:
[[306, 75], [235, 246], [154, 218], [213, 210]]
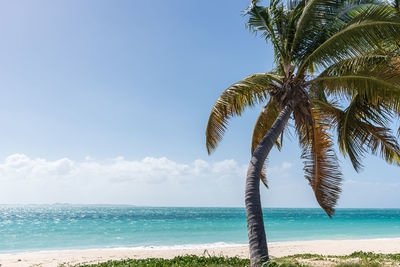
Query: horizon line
[[150, 206]]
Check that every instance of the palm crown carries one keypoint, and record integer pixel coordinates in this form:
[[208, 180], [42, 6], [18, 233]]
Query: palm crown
[[336, 69]]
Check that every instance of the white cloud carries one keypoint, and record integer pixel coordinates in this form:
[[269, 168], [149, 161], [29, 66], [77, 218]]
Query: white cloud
[[20, 166], [164, 182], [149, 181], [147, 170]]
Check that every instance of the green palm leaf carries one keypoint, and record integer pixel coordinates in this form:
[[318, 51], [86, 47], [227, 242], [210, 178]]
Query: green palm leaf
[[372, 88], [357, 133], [374, 63], [368, 31], [375, 77], [260, 19], [248, 92], [314, 14]]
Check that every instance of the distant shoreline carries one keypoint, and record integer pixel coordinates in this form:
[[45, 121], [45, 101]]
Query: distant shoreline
[[277, 249]]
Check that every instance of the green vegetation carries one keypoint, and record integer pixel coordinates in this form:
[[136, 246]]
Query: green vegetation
[[365, 259], [189, 260], [355, 259]]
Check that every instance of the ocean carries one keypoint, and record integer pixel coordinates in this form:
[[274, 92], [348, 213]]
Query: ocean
[[48, 227]]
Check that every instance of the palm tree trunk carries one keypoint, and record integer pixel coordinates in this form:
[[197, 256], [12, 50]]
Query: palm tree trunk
[[255, 223]]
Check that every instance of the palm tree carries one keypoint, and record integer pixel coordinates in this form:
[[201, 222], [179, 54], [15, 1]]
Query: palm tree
[[336, 71]]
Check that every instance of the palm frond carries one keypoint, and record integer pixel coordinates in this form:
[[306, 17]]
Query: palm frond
[[396, 5], [374, 89], [374, 63], [357, 133], [375, 77], [264, 123], [370, 30], [260, 19], [320, 162], [295, 10], [320, 20], [248, 92], [313, 15], [380, 139]]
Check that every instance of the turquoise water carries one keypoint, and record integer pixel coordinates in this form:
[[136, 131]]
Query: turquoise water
[[30, 228]]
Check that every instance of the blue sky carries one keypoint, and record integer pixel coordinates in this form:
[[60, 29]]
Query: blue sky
[[107, 102]]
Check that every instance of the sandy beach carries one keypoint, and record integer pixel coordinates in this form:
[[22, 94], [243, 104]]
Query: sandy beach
[[278, 249]]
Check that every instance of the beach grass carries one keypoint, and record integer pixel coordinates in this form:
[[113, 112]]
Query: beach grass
[[360, 258], [188, 260], [356, 259]]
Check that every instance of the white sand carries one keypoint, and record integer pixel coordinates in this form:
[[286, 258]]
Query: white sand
[[325, 247]]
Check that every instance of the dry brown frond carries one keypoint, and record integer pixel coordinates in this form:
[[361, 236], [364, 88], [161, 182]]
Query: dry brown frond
[[321, 165]]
